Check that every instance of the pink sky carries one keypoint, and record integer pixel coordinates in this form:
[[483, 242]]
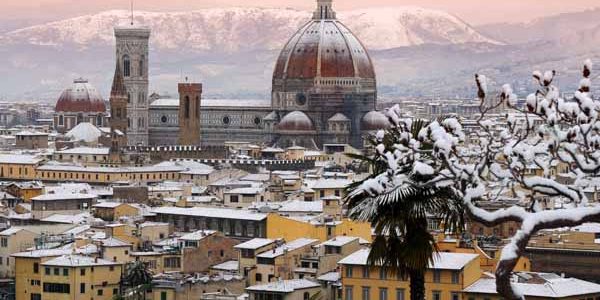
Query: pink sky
[[473, 11]]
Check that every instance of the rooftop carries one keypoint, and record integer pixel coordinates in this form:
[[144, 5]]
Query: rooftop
[[293, 245], [254, 243], [74, 260], [441, 261], [283, 286], [211, 212]]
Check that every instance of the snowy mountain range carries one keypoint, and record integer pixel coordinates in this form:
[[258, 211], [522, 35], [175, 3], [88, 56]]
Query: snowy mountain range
[[242, 29], [232, 51]]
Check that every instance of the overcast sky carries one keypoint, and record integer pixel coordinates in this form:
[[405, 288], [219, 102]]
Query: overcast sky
[[472, 11]]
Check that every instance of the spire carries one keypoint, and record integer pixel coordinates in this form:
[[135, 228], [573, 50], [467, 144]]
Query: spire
[[118, 86], [324, 10]]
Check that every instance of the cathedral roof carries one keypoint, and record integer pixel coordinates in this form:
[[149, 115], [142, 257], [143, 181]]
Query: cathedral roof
[[296, 121], [81, 96], [323, 47]]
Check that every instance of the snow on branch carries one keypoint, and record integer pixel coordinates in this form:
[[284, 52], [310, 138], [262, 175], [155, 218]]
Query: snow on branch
[[522, 152]]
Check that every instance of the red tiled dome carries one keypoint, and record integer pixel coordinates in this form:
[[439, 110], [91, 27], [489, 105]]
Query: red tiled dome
[[80, 97], [323, 47]]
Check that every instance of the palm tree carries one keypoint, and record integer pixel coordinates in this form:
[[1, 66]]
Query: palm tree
[[402, 243], [137, 279]]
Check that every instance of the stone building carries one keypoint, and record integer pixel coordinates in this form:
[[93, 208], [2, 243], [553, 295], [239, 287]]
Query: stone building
[[132, 56], [119, 122], [189, 113], [81, 102]]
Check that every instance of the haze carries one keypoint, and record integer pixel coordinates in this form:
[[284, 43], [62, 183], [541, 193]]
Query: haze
[[473, 11]]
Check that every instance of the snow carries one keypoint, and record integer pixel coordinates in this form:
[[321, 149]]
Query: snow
[[550, 289], [330, 277], [84, 131], [197, 235], [339, 241], [63, 196], [422, 169], [210, 212], [254, 243], [74, 260], [85, 151], [441, 261], [284, 286], [114, 242], [19, 159], [42, 253], [230, 265], [291, 246]]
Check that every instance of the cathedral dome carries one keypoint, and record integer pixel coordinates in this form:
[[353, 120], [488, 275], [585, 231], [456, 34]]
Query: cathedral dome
[[324, 48], [375, 120], [80, 97], [296, 121]]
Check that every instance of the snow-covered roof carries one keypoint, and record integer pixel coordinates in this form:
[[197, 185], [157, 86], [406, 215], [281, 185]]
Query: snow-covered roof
[[197, 235], [212, 212], [19, 159], [331, 183], [84, 131], [550, 288], [284, 286], [108, 204], [150, 224], [330, 276], [85, 151], [588, 227], [63, 196], [42, 253], [293, 245], [74, 260], [254, 243], [441, 261], [339, 241], [165, 102], [114, 242], [10, 231], [230, 265], [68, 219], [235, 103], [302, 206], [245, 191], [339, 117]]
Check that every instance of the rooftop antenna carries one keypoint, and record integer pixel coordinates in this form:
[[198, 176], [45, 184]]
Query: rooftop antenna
[[131, 2]]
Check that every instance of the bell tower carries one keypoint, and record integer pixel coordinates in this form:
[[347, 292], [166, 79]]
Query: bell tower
[[189, 113], [118, 115]]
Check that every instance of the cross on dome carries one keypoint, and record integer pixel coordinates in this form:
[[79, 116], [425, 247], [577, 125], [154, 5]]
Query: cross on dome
[[324, 10]]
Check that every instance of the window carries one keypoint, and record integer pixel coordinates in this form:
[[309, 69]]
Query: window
[[233, 199], [172, 262], [186, 107], [365, 272], [100, 292], [4, 241], [36, 268], [47, 271], [436, 295], [348, 293], [111, 268], [383, 293], [65, 272], [382, 273], [36, 297], [306, 296], [436, 276], [60, 288], [141, 66], [321, 193], [348, 271], [163, 295], [454, 296], [455, 277], [366, 291], [82, 288], [126, 66], [61, 120], [82, 272], [115, 291], [56, 271], [258, 277], [399, 294]]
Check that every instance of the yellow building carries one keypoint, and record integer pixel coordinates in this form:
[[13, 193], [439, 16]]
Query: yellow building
[[319, 228], [113, 211], [295, 289], [25, 190], [21, 167], [280, 262], [29, 273], [247, 252], [13, 240], [79, 277], [445, 279], [326, 187]]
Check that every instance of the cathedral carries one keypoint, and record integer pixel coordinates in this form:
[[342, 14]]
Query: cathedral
[[324, 91]]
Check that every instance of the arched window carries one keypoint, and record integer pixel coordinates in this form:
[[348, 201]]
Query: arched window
[[128, 97], [99, 120], [61, 120], [126, 66], [141, 65], [306, 296], [186, 107]]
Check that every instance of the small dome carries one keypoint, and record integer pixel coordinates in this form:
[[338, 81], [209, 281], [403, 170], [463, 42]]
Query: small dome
[[80, 97], [296, 121], [375, 120]]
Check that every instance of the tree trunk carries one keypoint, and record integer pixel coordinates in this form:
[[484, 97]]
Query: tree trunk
[[417, 285]]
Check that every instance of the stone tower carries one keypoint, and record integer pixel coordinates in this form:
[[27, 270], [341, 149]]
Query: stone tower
[[132, 56], [118, 114], [189, 113]]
